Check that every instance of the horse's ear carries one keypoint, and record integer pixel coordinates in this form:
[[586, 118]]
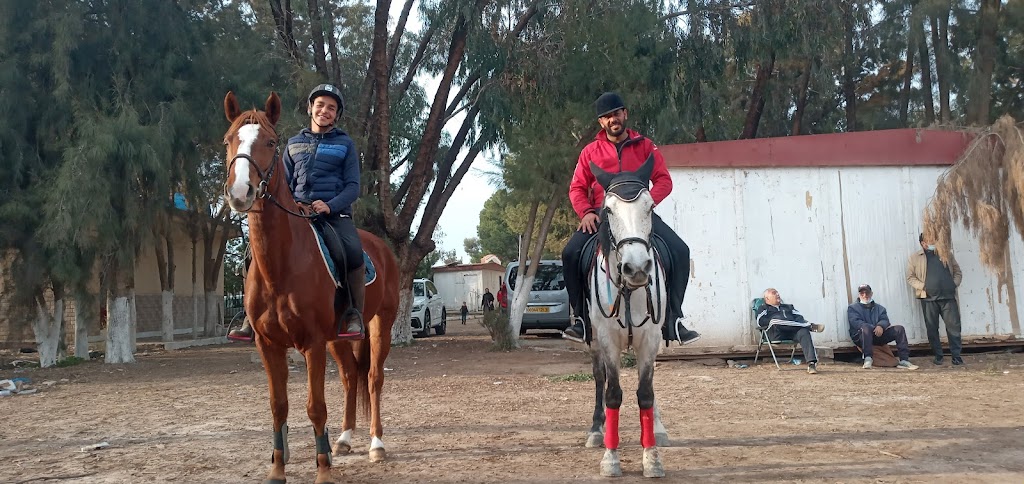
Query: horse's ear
[[603, 177], [231, 108], [645, 170], [273, 108]]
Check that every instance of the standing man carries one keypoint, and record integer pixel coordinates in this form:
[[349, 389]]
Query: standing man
[[870, 326], [935, 284], [488, 300], [616, 149]]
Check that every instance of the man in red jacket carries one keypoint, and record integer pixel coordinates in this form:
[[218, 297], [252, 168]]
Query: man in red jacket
[[616, 149]]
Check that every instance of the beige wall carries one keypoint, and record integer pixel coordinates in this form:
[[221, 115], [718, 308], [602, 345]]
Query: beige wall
[[147, 293]]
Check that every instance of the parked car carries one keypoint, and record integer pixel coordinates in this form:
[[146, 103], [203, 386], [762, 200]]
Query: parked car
[[428, 309], [548, 306]]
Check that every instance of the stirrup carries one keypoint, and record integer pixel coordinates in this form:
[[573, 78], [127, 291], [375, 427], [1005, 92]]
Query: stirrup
[[242, 336], [579, 339], [344, 334]]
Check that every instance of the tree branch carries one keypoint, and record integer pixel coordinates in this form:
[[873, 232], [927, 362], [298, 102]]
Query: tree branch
[[396, 37]]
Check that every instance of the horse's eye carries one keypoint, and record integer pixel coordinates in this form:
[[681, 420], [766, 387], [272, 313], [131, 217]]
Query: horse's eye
[[271, 143]]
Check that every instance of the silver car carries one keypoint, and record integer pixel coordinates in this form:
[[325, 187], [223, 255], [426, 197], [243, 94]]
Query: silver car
[[548, 306]]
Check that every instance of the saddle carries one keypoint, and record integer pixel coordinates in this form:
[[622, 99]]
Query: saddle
[[588, 261], [321, 231]]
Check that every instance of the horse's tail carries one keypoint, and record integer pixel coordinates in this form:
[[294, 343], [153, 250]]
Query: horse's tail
[[363, 362]]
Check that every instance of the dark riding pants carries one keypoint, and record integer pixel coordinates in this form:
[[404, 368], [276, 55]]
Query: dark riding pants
[[346, 249], [678, 277]]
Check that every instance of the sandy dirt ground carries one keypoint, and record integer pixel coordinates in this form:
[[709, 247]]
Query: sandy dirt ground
[[457, 412]]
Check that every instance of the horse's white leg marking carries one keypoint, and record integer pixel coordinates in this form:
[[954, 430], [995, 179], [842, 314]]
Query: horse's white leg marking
[[376, 443], [247, 135], [345, 438]]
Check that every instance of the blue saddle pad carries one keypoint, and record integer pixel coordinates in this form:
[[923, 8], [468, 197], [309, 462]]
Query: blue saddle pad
[[371, 271]]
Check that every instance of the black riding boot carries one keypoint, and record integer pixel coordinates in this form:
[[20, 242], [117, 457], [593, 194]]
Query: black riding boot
[[351, 322]]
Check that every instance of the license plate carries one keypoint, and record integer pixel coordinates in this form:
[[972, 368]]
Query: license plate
[[537, 309]]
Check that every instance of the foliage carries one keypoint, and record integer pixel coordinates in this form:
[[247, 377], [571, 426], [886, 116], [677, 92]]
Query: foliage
[[982, 192], [496, 323], [69, 361], [473, 249], [577, 377]]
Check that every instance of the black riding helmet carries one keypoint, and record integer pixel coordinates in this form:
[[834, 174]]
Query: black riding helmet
[[607, 103], [327, 90]]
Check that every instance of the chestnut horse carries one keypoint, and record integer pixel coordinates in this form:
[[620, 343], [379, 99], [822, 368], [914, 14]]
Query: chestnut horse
[[290, 293]]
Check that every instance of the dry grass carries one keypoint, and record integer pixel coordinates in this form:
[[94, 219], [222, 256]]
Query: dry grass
[[982, 192]]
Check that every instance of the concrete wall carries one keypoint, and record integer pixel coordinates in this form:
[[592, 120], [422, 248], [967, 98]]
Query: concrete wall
[[815, 234], [468, 285]]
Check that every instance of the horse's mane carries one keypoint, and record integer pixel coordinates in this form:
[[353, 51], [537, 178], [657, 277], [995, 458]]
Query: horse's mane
[[253, 116]]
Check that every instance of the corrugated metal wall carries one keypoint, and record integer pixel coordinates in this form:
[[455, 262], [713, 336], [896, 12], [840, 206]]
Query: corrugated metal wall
[[815, 234]]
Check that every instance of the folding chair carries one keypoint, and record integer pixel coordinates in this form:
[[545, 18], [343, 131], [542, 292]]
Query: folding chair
[[764, 339]]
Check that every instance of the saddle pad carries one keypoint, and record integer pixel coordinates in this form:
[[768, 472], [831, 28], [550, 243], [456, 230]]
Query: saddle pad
[[371, 271]]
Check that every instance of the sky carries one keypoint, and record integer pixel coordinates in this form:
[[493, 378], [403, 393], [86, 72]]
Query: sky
[[462, 214]]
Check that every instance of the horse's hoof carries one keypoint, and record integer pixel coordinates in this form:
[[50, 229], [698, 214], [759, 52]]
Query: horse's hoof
[[325, 478], [610, 466], [652, 463], [662, 440], [275, 481], [595, 440], [341, 448], [377, 455]]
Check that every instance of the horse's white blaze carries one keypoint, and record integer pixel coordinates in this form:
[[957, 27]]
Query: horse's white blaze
[[376, 443], [346, 438], [247, 136], [632, 219]]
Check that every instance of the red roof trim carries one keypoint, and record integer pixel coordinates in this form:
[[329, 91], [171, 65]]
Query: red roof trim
[[469, 267], [894, 147]]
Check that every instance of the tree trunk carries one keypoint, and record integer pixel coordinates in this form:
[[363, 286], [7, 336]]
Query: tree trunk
[[47, 328], [120, 347], [980, 100], [85, 314], [801, 98], [926, 76], [133, 311], [332, 43], [167, 315], [757, 99], [697, 32], [942, 68], [521, 293], [214, 315], [849, 84], [908, 77], [401, 331], [197, 324], [316, 29]]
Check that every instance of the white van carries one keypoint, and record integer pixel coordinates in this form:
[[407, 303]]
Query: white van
[[548, 307]]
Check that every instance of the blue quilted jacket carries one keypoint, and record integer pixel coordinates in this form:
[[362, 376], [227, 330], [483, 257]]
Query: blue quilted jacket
[[323, 167]]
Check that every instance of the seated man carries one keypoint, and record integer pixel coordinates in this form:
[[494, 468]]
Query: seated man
[[787, 323], [870, 326]]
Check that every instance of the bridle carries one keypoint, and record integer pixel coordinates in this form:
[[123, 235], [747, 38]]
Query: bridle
[[261, 189]]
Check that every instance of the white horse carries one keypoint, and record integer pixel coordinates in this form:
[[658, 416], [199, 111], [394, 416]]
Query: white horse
[[627, 308]]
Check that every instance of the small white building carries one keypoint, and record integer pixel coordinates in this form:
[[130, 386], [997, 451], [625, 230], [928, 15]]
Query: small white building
[[466, 283], [814, 217]]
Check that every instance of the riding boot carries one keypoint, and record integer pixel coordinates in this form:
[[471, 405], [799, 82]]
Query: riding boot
[[351, 322], [674, 330], [243, 334]]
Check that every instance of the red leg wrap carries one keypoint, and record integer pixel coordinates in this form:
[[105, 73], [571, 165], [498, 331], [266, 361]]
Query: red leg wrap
[[611, 428], [647, 427]]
